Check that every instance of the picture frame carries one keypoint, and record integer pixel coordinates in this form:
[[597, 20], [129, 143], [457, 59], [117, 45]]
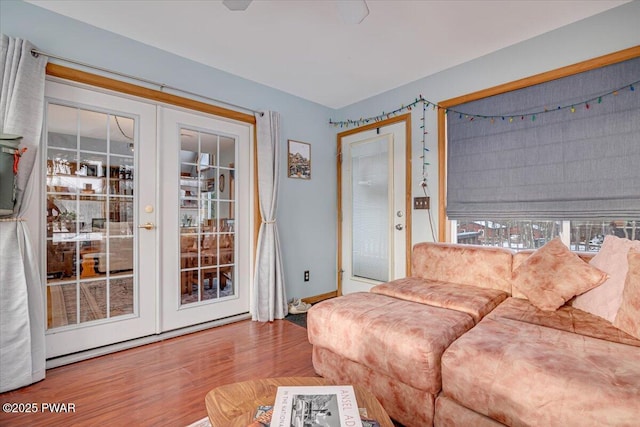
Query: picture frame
[[299, 160]]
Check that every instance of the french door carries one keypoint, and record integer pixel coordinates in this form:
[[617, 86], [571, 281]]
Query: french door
[[206, 210], [375, 220], [99, 152], [148, 218]]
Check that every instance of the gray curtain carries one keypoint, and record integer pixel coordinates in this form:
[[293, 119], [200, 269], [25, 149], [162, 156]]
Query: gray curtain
[[269, 297], [579, 161], [22, 352]]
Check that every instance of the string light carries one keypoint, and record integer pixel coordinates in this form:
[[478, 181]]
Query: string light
[[471, 116], [468, 116]]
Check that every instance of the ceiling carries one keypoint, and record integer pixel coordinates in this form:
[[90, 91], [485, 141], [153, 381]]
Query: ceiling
[[303, 48]]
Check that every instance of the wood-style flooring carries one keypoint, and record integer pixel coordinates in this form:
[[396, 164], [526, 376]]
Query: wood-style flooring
[[165, 383]]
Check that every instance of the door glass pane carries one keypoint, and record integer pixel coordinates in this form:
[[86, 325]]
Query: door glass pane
[[121, 132], [370, 209], [207, 236], [90, 197]]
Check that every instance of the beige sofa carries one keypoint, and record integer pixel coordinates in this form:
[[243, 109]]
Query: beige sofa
[[450, 346]]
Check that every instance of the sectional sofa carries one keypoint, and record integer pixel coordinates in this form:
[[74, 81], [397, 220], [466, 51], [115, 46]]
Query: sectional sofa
[[481, 336]]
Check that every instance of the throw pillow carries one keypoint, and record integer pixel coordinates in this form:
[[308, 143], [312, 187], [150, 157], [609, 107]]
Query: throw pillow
[[604, 301], [628, 318], [553, 274]]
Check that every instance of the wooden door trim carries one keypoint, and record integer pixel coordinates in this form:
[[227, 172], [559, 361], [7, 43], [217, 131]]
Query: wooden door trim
[[67, 73], [406, 118]]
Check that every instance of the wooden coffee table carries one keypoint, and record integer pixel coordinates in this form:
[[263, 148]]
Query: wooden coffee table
[[235, 404]]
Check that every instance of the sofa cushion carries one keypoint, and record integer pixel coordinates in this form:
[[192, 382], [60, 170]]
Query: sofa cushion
[[520, 373], [553, 275], [397, 338], [521, 256], [403, 403], [448, 413], [485, 267], [628, 318], [566, 318], [475, 301], [605, 300]]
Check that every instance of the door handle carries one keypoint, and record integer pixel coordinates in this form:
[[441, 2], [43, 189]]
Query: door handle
[[399, 226], [147, 226]]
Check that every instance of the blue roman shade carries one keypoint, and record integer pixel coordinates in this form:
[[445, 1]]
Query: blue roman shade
[[564, 149]]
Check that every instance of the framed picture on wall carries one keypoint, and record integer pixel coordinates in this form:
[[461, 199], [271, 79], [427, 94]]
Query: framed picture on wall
[[299, 160]]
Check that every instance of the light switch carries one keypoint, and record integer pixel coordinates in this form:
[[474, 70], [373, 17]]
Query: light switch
[[421, 203]]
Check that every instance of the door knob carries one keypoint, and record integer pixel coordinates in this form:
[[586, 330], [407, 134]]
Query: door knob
[[399, 226], [147, 226]]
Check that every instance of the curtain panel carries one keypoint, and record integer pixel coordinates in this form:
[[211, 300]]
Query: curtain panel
[[270, 300], [577, 158], [22, 351]]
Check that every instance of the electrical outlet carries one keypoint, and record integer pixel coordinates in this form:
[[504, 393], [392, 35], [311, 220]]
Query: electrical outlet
[[421, 202], [306, 275]]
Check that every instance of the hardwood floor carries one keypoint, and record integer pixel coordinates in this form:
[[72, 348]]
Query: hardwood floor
[[165, 383]]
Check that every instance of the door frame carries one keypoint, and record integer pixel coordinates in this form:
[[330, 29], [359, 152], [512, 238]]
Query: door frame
[[121, 88], [406, 118]]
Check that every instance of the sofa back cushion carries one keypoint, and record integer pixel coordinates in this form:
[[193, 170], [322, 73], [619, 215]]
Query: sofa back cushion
[[486, 267], [605, 300], [553, 275], [628, 316], [520, 256]]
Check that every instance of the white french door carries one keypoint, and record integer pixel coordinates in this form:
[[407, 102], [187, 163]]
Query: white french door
[[149, 218], [207, 217], [100, 184], [374, 208]]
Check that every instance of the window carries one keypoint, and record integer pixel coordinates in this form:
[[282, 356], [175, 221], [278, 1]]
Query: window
[[556, 145], [581, 236]]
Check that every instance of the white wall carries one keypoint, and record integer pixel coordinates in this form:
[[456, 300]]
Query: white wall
[[611, 31], [306, 209]]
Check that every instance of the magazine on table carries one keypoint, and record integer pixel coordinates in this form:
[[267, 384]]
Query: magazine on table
[[262, 417], [316, 406]]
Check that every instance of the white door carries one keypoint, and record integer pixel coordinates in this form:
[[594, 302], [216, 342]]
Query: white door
[[100, 185], [206, 177], [374, 212]]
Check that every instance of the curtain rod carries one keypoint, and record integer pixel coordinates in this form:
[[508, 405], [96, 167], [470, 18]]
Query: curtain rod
[[36, 53]]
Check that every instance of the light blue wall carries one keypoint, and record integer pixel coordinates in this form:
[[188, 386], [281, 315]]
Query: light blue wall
[[611, 31], [306, 210]]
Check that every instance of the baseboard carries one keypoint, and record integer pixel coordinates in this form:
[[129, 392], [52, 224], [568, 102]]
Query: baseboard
[[101, 351], [321, 297]]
